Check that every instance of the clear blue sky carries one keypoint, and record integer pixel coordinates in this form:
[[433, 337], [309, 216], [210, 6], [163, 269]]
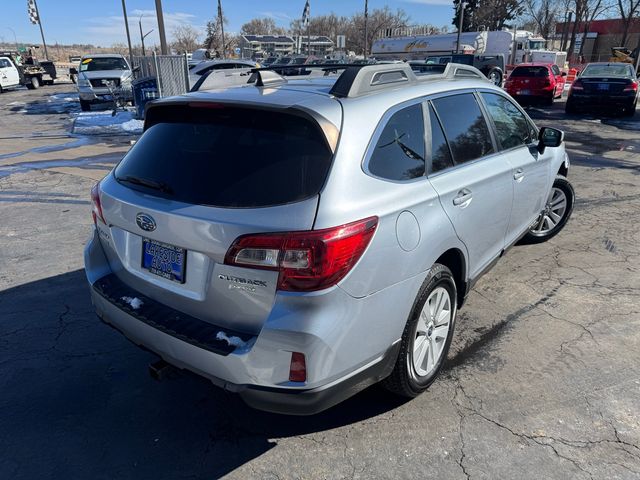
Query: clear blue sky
[[100, 22]]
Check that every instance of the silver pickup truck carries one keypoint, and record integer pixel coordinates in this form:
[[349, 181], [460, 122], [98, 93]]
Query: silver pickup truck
[[102, 77]]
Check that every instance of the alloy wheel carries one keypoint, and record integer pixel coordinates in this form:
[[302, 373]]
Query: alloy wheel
[[552, 214], [432, 331]]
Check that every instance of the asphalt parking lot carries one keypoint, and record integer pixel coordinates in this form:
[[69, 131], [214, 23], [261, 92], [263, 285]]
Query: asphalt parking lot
[[543, 379]]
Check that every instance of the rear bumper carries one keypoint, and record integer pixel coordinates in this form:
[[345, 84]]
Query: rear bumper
[[341, 358], [613, 101]]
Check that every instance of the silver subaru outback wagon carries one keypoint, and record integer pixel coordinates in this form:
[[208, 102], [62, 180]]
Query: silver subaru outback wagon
[[297, 241]]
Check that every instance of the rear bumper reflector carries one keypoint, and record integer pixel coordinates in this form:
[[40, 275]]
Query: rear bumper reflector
[[161, 317]]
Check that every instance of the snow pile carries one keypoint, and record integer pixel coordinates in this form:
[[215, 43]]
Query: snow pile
[[232, 341], [135, 303], [105, 123]]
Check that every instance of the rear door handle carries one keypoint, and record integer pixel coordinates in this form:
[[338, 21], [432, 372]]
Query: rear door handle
[[463, 198], [518, 175]]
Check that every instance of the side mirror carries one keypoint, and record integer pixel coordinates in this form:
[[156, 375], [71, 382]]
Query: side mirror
[[135, 69], [564, 74], [549, 137]]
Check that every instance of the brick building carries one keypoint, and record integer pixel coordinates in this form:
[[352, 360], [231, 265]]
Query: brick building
[[601, 36]]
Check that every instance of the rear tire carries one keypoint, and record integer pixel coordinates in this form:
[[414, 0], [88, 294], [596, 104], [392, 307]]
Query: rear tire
[[556, 214], [569, 107], [549, 101], [427, 335], [34, 84], [85, 106], [630, 111], [495, 76]]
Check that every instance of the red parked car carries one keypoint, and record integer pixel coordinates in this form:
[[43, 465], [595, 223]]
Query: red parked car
[[530, 82]]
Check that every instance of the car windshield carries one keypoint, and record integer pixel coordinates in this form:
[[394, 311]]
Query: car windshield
[[539, 72], [536, 44], [227, 157], [103, 63], [606, 70]]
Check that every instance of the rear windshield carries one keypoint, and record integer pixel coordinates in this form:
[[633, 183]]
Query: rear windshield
[[228, 157], [530, 72], [606, 70]]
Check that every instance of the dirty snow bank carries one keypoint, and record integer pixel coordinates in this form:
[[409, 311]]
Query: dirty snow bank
[[104, 123]]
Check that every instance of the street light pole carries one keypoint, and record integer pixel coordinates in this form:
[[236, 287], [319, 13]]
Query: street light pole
[[462, 7], [126, 25], [142, 37], [221, 20]]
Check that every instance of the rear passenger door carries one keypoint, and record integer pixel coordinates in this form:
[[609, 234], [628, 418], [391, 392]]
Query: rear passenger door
[[517, 140], [472, 181]]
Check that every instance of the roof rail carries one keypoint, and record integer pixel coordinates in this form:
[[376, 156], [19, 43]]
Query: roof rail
[[266, 78], [358, 79], [362, 79]]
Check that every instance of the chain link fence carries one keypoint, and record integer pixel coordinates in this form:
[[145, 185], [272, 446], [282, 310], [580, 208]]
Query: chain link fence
[[171, 72]]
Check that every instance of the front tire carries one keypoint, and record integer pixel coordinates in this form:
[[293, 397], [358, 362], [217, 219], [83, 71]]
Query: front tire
[[427, 335], [556, 213], [34, 84], [495, 76]]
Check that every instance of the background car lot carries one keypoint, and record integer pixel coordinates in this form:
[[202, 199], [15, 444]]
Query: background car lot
[[542, 380]]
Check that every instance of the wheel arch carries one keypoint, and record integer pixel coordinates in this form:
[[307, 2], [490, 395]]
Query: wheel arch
[[455, 261]]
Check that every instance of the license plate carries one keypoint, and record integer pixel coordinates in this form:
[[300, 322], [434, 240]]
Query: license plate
[[164, 260], [603, 86], [525, 92]]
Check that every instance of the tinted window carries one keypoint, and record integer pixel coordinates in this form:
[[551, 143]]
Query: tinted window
[[613, 70], [103, 63], [228, 157], [464, 126], [4, 63], [440, 154], [399, 152], [555, 69], [536, 72], [512, 127]]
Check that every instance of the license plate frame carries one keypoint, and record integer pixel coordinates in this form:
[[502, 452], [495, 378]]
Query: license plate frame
[[164, 260]]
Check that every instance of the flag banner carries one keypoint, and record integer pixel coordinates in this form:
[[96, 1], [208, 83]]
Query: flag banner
[[33, 12], [306, 13]]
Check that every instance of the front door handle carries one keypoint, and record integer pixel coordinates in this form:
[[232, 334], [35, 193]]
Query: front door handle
[[463, 198], [518, 175]]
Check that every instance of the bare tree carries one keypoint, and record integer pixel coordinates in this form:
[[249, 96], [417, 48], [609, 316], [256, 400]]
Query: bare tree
[[185, 38], [627, 9], [543, 14], [262, 26], [213, 39]]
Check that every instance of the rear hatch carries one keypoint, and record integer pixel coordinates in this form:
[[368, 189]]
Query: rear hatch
[[529, 80], [199, 177]]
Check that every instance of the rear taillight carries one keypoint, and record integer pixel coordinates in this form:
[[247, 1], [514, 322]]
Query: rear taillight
[[309, 260], [577, 85], [632, 87], [96, 212]]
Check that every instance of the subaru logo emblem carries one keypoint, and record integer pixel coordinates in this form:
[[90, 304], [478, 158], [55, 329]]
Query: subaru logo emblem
[[146, 222]]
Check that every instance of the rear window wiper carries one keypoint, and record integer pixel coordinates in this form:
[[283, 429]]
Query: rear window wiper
[[145, 182]]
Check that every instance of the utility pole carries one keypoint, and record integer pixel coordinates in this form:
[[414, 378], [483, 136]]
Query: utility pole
[[163, 38], [462, 7], [366, 31], [126, 25], [46, 54], [221, 20], [14, 37], [142, 37]]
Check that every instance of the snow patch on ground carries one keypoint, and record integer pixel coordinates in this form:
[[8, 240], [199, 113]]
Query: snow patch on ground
[[136, 303], [105, 123], [232, 341], [69, 97]]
